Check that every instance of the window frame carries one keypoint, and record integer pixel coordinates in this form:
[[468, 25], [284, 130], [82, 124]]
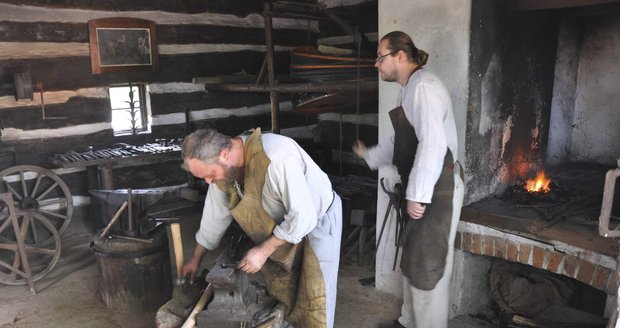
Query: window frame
[[142, 109]]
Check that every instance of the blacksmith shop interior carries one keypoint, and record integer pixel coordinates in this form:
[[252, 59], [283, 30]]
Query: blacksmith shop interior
[[99, 212]]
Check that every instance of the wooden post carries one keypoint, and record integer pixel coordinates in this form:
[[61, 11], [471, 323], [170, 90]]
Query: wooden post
[[273, 95], [106, 177]]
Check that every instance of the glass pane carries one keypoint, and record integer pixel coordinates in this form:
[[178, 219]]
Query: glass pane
[[119, 97], [121, 120]]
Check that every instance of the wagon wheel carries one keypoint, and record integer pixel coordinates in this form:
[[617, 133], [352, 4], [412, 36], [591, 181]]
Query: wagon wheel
[[40, 191], [23, 259]]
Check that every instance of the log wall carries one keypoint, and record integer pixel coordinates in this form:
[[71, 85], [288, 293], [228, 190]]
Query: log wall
[[50, 42]]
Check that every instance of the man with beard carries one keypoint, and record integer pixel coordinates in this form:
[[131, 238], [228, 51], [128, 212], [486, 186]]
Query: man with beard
[[424, 151], [285, 203]]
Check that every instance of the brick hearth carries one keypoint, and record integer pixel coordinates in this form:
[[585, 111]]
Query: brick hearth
[[590, 267]]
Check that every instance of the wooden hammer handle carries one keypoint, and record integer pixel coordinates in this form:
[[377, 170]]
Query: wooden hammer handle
[[114, 218], [191, 320], [177, 243]]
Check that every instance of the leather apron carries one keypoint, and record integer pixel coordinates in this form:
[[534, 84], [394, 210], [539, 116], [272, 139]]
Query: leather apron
[[425, 242], [292, 273]]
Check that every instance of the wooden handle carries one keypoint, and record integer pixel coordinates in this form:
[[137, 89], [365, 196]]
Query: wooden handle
[[177, 243], [114, 218], [191, 320]]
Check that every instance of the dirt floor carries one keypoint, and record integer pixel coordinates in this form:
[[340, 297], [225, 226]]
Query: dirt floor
[[68, 296]]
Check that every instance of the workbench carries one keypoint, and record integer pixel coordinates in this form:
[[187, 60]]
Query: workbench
[[100, 163]]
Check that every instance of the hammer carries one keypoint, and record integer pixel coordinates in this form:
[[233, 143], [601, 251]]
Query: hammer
[[177, 244]]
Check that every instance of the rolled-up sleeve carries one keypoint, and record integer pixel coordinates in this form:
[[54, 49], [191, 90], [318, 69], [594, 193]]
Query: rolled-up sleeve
[[215, 218]]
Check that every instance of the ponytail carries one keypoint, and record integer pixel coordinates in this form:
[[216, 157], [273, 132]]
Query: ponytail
[[401, 41], [422, 57]]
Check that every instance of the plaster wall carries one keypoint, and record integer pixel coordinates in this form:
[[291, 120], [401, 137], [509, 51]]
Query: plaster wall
[[441, 28], [564, 86], [596, 137], [584, 115]]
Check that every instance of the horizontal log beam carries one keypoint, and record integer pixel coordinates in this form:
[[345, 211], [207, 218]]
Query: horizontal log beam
[[238, 7], [295, 87], [176, 102], [166, 34], [56, 75]]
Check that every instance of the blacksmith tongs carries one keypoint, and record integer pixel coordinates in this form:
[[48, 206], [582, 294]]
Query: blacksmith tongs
[[395, 202]]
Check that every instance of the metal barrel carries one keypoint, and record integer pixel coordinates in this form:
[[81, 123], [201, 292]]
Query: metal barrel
[[134, 276]]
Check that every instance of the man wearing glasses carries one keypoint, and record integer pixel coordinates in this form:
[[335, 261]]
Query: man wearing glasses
[[424, 151]]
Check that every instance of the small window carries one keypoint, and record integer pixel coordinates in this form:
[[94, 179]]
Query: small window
[[129, 112]]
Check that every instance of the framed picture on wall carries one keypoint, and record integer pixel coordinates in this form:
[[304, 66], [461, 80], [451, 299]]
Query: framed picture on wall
[[120, 44]]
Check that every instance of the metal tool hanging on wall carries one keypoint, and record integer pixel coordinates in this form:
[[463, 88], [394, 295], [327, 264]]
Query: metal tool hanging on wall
[[43, 116]]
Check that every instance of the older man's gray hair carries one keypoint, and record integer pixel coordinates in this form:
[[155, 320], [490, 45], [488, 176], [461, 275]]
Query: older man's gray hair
[[205, 145]]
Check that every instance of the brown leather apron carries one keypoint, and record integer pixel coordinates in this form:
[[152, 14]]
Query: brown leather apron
[[425, 243], [292, 273]]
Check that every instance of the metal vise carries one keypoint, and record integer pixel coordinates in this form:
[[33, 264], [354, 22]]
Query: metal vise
[[240, 299]]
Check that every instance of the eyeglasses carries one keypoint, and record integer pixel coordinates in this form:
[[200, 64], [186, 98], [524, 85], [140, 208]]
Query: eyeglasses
[[381, 58]]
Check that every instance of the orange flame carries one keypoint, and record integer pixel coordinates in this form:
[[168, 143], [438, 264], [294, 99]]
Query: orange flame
[[540, 184]]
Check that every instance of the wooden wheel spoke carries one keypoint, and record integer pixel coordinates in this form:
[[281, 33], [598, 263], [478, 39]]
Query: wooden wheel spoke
[[23, 181], [49, 202], [4, 225], [14, 192], [4, 215], [56, 215], [16, 263], [36, 185], [34, 232], [47, 191], [14, 270], [8, 247], [24, 227], [40, 250]]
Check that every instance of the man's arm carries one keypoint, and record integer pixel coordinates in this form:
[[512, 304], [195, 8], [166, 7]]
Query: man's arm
[[256, 257], [377, 155], [215, 220], [190, 268], [426, 110]]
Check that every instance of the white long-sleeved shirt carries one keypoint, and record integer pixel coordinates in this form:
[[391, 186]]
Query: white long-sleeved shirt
[[428, 109], [296, 194]]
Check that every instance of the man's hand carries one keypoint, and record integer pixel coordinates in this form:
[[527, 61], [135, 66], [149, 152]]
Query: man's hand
[[256, 257], [415, 209], [253, 260], [190, 268], [359, 148]]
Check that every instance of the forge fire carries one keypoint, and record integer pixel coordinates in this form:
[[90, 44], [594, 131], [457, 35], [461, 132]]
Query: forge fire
[[539, 184]]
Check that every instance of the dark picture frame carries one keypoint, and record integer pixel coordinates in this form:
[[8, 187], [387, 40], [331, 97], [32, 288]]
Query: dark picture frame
[[121, 44]]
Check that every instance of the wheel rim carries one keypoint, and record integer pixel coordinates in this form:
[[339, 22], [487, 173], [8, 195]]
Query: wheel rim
[[40, 191]]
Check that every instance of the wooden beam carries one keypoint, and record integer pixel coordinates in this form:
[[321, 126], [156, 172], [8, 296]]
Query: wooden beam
[[271, 74], [295, 87]]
